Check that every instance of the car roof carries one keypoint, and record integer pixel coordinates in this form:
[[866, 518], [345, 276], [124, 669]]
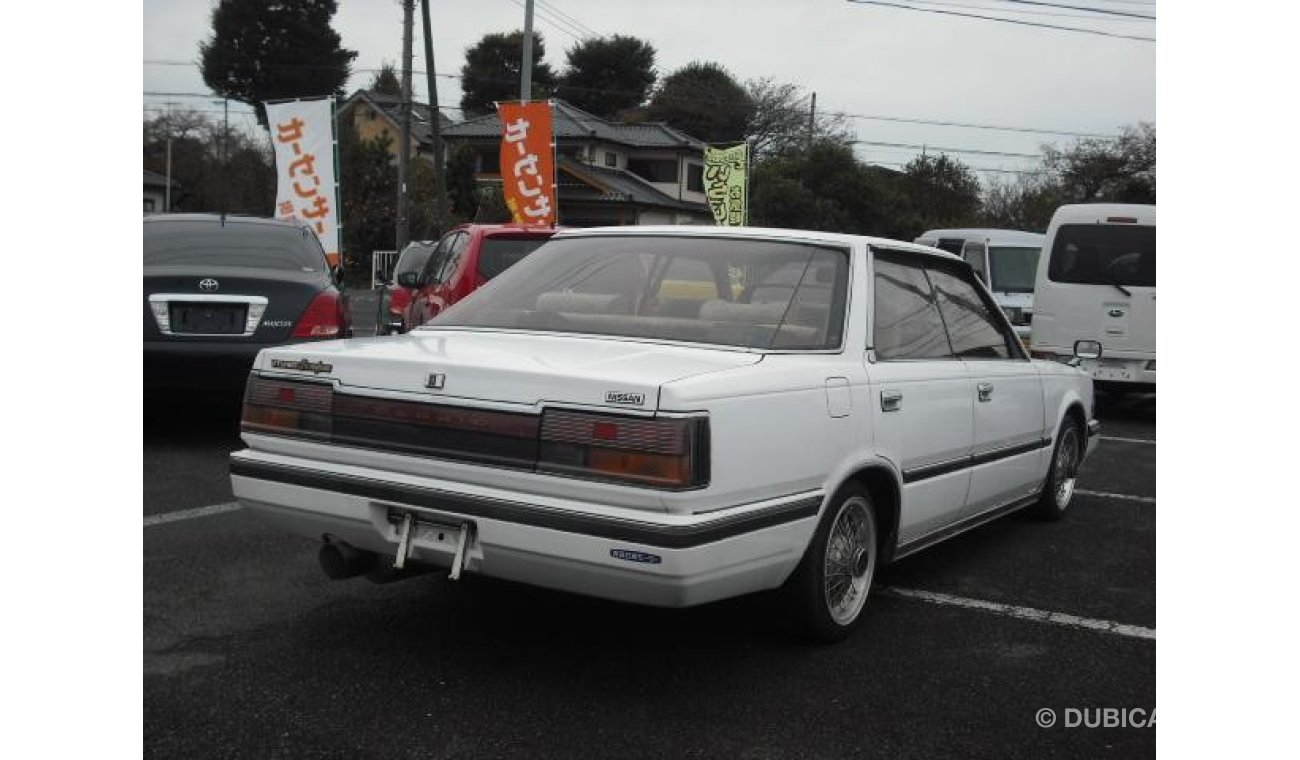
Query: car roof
[[990, 235], [1096, 213], [220, 219], [752, 233]]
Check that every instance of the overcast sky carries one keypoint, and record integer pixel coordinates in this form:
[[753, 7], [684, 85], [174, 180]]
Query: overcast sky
[[860, 59]]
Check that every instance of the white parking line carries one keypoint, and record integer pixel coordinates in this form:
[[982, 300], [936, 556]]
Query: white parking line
[[1128, 440], [190, 514], [1026, 613], [1124, 496]]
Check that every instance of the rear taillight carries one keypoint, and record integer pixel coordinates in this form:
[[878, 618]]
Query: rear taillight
[[662, 452], [287, 406], [322, 319]]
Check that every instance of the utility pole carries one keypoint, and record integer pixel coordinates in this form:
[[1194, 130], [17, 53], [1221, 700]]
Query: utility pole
[[404, 151], [812, 120], [435, 126], [526, 71]]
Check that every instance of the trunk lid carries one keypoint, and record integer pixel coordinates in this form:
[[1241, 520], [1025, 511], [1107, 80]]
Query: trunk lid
[[287, 295], [512, 368]]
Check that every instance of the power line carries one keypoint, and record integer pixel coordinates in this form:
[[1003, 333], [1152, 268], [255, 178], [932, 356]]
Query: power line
[[573, 32], [1003, 20], [967, 125], [1004, 9], [971, 151], [557, 12], [1088, 8]]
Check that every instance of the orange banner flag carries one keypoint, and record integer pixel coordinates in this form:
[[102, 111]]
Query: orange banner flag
[[528, 162]]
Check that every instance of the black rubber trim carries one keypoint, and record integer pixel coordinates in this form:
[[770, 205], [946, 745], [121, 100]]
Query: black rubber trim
[[943, 468], [926, 541], [646, 534]]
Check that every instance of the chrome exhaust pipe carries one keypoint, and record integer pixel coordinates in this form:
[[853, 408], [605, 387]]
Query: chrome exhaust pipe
[[340, 560]]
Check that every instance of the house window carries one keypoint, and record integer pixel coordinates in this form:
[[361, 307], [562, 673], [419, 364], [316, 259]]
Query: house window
[[654, 170], [489, 161], [611, 159], [695, 177]]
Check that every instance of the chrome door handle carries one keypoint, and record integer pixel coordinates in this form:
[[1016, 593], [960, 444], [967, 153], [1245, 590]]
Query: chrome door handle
[[891, 401], [985, 390]]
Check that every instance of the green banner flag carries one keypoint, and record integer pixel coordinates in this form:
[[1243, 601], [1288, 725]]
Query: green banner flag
[[726, 184]]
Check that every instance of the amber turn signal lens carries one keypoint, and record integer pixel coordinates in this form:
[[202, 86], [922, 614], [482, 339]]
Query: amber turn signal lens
[[656, 469]]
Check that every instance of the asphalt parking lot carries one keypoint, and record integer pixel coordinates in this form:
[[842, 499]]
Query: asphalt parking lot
[[250, 651]]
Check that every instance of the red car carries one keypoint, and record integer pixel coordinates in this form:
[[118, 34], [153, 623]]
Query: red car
[[463, 261]]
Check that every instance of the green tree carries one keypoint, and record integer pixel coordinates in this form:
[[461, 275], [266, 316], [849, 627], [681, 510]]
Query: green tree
[[703, 100], [385, 81], [608, 76], [941, 192], [263, 51], [826, 188], [1024, 203], [1116, 171], [492, 71], [780, 122]]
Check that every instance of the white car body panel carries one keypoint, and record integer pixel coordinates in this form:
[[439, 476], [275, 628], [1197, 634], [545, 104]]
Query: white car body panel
[[786, 429], [1067, 312]]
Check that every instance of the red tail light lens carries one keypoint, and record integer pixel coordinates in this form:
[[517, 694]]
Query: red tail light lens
[[322, 319], [286, 406], [662, 452]]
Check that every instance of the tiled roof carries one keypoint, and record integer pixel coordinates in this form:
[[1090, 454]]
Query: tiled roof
[[590, 182], [574, 123], [391, 105], [154, 179]]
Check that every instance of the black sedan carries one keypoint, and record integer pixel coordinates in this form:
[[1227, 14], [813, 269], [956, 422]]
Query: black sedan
[[218, 289]]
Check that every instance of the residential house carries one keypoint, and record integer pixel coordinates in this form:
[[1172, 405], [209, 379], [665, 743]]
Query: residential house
[[375, 114], [155, 191], [609, 173]]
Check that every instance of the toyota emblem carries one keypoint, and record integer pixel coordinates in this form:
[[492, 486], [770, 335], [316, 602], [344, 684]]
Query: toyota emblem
[[208, 284]]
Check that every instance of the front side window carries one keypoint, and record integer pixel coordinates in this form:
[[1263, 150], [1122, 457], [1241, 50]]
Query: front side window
[[675, 288], [1104, 254], [497, 254], [413, 258], [906, 321], [973, 330], [1014, 269], [454, 251], [974, 255]]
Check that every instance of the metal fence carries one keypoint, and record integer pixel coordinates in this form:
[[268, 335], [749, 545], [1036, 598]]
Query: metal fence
[[381, 267]]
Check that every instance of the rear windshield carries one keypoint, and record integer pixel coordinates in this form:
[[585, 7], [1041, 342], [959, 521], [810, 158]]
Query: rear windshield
[[500, 253], [1014, 269], [413, 258], [734, 292], [1104, 254], [259, 246]]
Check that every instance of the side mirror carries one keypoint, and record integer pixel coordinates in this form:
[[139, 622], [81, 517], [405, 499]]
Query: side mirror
[[1087, 349], [408, 280], [336, 277]]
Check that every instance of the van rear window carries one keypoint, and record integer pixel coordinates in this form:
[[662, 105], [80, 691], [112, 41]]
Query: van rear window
[[1104, 254]]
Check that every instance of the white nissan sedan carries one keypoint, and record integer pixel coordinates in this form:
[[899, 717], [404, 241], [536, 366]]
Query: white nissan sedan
[[671, 416]]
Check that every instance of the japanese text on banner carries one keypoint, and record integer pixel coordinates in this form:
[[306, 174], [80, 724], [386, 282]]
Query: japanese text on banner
[[302, 132], [726, 180], [528, 162]]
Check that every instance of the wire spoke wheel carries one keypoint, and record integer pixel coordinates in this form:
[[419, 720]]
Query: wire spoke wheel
[[849, 561], [1066, 466]]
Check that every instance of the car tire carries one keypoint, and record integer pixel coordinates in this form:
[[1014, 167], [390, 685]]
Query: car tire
[[1058, 488], [846, 545]]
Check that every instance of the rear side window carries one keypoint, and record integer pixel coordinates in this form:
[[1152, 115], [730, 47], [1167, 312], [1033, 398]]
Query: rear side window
[[973, 330], [500, 253], [413, 258], [234, 244], [974, 255], [1104, 254], [906, 320]]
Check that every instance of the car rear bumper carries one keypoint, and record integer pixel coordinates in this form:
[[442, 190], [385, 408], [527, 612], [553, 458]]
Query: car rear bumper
[[191, 365], [659, 559]]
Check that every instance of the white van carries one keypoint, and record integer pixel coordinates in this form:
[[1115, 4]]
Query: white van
[[1098, 282], [1007, 262]]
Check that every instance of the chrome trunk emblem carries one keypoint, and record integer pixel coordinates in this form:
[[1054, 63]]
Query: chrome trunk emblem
[[209, 284], [436, 381]]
